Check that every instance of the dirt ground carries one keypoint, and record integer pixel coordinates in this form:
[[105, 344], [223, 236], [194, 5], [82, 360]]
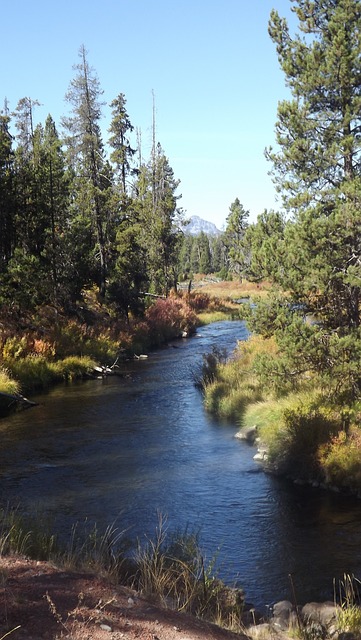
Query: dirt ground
[[39, 601]]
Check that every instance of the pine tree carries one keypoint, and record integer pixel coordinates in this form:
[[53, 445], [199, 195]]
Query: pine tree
[[120, 129], [318, 130], [316, 255], [7, 191], [161, 220], [86, 154], [205, 263], [233, 237]]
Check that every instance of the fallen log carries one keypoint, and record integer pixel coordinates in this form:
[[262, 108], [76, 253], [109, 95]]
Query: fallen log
[[10, 403]]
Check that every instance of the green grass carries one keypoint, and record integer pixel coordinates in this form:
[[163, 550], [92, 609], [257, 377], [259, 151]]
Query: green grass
[[349, 610], [8, 384], [35, 372], [306, 433], [207, 317]]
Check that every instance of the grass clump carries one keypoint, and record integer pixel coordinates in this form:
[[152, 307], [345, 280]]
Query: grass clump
[[7, 384], [340, 459], [349, 610], [73, 367], [293, 429], [32, 371], [230, 385], [207, 317], [23, 535], [172, 570], [36, 372]]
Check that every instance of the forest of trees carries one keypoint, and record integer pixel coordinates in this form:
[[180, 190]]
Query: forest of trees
[[78, 210]]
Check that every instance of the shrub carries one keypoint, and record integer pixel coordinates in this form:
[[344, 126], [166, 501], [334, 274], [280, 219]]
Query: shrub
[[70, 338], [168, 318], [199, 301], [101, 347], [15, 347], [340, 459]]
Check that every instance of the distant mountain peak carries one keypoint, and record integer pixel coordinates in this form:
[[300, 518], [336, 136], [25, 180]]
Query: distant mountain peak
[[196, 225]]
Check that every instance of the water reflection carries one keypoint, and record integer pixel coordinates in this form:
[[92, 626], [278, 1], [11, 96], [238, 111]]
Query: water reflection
[[127, 448]]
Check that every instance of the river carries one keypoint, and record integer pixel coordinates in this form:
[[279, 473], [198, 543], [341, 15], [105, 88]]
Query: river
[[122, 450]]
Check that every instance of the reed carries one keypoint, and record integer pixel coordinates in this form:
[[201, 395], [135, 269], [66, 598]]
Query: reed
[[172, 570], [348, 599]]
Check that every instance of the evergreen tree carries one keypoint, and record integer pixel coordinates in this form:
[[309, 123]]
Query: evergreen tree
[[195, 256], [185, 256], [317, 170], [120, 129], [205, 264], [86, 154], [57, 251], [318, 130], [161, 221], [218, 256], [233, 237], [7, 191]]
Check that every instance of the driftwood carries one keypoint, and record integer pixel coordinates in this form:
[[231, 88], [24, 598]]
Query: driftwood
[[10, 403], [152, 295]]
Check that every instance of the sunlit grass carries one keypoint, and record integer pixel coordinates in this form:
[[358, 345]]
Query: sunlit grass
[[36, 372], [8, 384], [207, 317], [231, 289]]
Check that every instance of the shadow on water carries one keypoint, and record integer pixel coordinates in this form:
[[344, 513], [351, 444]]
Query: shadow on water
[[123, 449]]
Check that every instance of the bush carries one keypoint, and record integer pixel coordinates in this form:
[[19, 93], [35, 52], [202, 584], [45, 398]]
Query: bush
[[168, 318], [341, 461]]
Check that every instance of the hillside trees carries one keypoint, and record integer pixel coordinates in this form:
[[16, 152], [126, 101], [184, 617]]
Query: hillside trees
[[316, 168]]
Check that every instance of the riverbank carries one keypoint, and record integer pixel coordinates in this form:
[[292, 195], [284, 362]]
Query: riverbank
[[304, 432], [39, 600], [38, 352]]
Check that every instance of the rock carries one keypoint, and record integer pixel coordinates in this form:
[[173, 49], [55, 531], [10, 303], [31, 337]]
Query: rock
[[322, 612], [247, 433], [261, 455], [284, 614]]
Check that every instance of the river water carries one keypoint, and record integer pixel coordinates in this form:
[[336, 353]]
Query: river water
[[123, 450]]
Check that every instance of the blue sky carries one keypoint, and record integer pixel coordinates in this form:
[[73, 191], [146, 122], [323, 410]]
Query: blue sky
[[210, 63]]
